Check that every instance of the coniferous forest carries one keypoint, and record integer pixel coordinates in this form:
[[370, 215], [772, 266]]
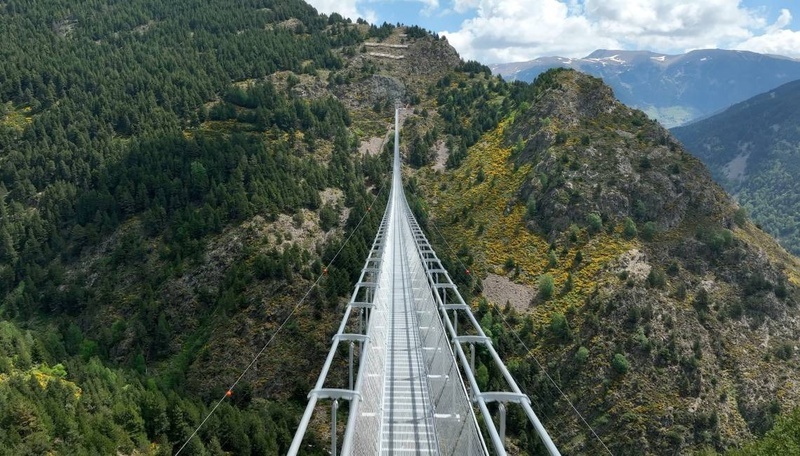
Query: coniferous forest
[[112, 184]]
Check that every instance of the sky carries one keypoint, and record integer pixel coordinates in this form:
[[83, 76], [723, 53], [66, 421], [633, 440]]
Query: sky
[[500, 31]]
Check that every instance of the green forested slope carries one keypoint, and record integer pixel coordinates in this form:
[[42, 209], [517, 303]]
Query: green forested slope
[[753, 150], [147, 208]]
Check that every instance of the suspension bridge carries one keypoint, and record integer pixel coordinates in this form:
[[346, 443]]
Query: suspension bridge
[[409, 341]]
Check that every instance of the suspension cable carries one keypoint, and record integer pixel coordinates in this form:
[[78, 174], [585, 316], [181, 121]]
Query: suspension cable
[[528, 351], [229, 391]]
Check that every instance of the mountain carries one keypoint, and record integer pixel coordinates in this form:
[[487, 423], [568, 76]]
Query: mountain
[[624, 270], [673, 89], [753, 149], [185, 186]]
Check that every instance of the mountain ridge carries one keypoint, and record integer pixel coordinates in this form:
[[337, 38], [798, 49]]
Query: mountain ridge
[[751, 149], [674, 89]]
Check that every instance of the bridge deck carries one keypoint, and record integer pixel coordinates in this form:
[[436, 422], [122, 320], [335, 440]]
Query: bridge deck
[[407, 425]]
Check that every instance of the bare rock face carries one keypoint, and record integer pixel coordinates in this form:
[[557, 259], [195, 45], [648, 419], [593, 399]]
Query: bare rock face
[[431, 57], [385, 87], [399, 69]]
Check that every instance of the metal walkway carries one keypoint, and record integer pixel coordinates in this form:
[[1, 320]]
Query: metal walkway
[[407, 412], [408, 396]]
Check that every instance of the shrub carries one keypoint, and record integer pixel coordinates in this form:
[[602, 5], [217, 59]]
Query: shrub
[[482, 376], [578, 258], [582, 355], [649, 231], [740, 217], [620, 364], [559, 326], [736, 310], [298, 218], [781, 291], [680, 292], [701, 299], [546, 286], [594, 222], [530, 208], [673, 268], [656, 278], [784, 351], [717, 239], [629, 228], [328, 217], [552, 259], [569, 284], [573, 233]]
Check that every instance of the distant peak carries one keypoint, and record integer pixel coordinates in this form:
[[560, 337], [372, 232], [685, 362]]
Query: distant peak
[[603, 53]]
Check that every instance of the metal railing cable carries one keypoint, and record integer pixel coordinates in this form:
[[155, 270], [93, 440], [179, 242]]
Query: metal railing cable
[[528, 351], [449, 299]]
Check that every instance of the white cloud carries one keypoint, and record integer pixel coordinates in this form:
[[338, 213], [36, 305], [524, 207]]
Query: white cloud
[[514, 30], [781, 42], [776, 39], [431, 6], [784, 20], [347, 8], [462, 6]]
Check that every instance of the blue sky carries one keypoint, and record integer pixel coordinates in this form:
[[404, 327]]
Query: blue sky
[[494, 31]]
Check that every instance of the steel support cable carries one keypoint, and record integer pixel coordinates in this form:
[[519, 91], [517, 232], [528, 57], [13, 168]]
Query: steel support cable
[[297, 306], [477, 394], [528, 351], [455, 383]]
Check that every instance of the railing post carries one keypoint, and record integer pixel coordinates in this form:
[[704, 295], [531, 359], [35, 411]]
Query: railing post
[[472, 358], [334, 407], [352, 345], [502, 410]]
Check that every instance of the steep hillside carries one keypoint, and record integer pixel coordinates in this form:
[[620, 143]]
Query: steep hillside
[[173, 179], [674, 89], [752, 150], [668, 321]]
